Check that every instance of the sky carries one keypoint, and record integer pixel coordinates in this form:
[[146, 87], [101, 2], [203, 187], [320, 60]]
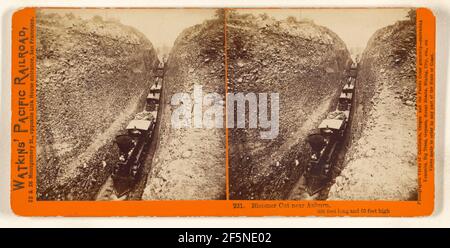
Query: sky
[[162, 26]]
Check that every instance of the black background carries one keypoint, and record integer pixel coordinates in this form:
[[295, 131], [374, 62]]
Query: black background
[[310, 238]]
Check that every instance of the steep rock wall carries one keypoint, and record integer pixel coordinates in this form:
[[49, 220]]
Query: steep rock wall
[[92, 76], [189, 163], [381, 163]]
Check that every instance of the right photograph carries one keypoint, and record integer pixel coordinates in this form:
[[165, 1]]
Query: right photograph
[[324, 104]]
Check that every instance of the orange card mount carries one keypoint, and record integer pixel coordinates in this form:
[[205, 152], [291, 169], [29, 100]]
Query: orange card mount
[[230, 112]]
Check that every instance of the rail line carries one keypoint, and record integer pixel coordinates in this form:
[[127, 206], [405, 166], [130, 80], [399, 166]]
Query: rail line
[[328, 145], [111, 189]]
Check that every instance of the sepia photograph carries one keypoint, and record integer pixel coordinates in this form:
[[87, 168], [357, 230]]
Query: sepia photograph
[[105, 81], [346, 86]]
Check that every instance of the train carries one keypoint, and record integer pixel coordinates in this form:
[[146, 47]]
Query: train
[[327, 139], [134, 142]]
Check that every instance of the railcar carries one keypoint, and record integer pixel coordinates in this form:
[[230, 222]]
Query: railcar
[[132, 152], [326, 142], [134, 143]]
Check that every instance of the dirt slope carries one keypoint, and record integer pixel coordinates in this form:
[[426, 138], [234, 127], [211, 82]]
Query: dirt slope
[[92, 76], [304, 63], [381, 161], [189, 163]]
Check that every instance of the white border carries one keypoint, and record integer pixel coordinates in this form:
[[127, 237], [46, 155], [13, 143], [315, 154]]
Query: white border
[[441, 215]]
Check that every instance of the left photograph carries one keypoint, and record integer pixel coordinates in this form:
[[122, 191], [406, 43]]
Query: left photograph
[[107, 87]]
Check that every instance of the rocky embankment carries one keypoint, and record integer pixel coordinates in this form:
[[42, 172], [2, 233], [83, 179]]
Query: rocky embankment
[[189, 163], [304, 63], [92, 77], [381, 163]]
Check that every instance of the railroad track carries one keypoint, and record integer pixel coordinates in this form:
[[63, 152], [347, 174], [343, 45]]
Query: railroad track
[[301, 190], [107, 191]]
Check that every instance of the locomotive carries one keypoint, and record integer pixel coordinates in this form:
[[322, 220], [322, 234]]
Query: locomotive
[[132, 148], [134, 143], [326, 142]]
